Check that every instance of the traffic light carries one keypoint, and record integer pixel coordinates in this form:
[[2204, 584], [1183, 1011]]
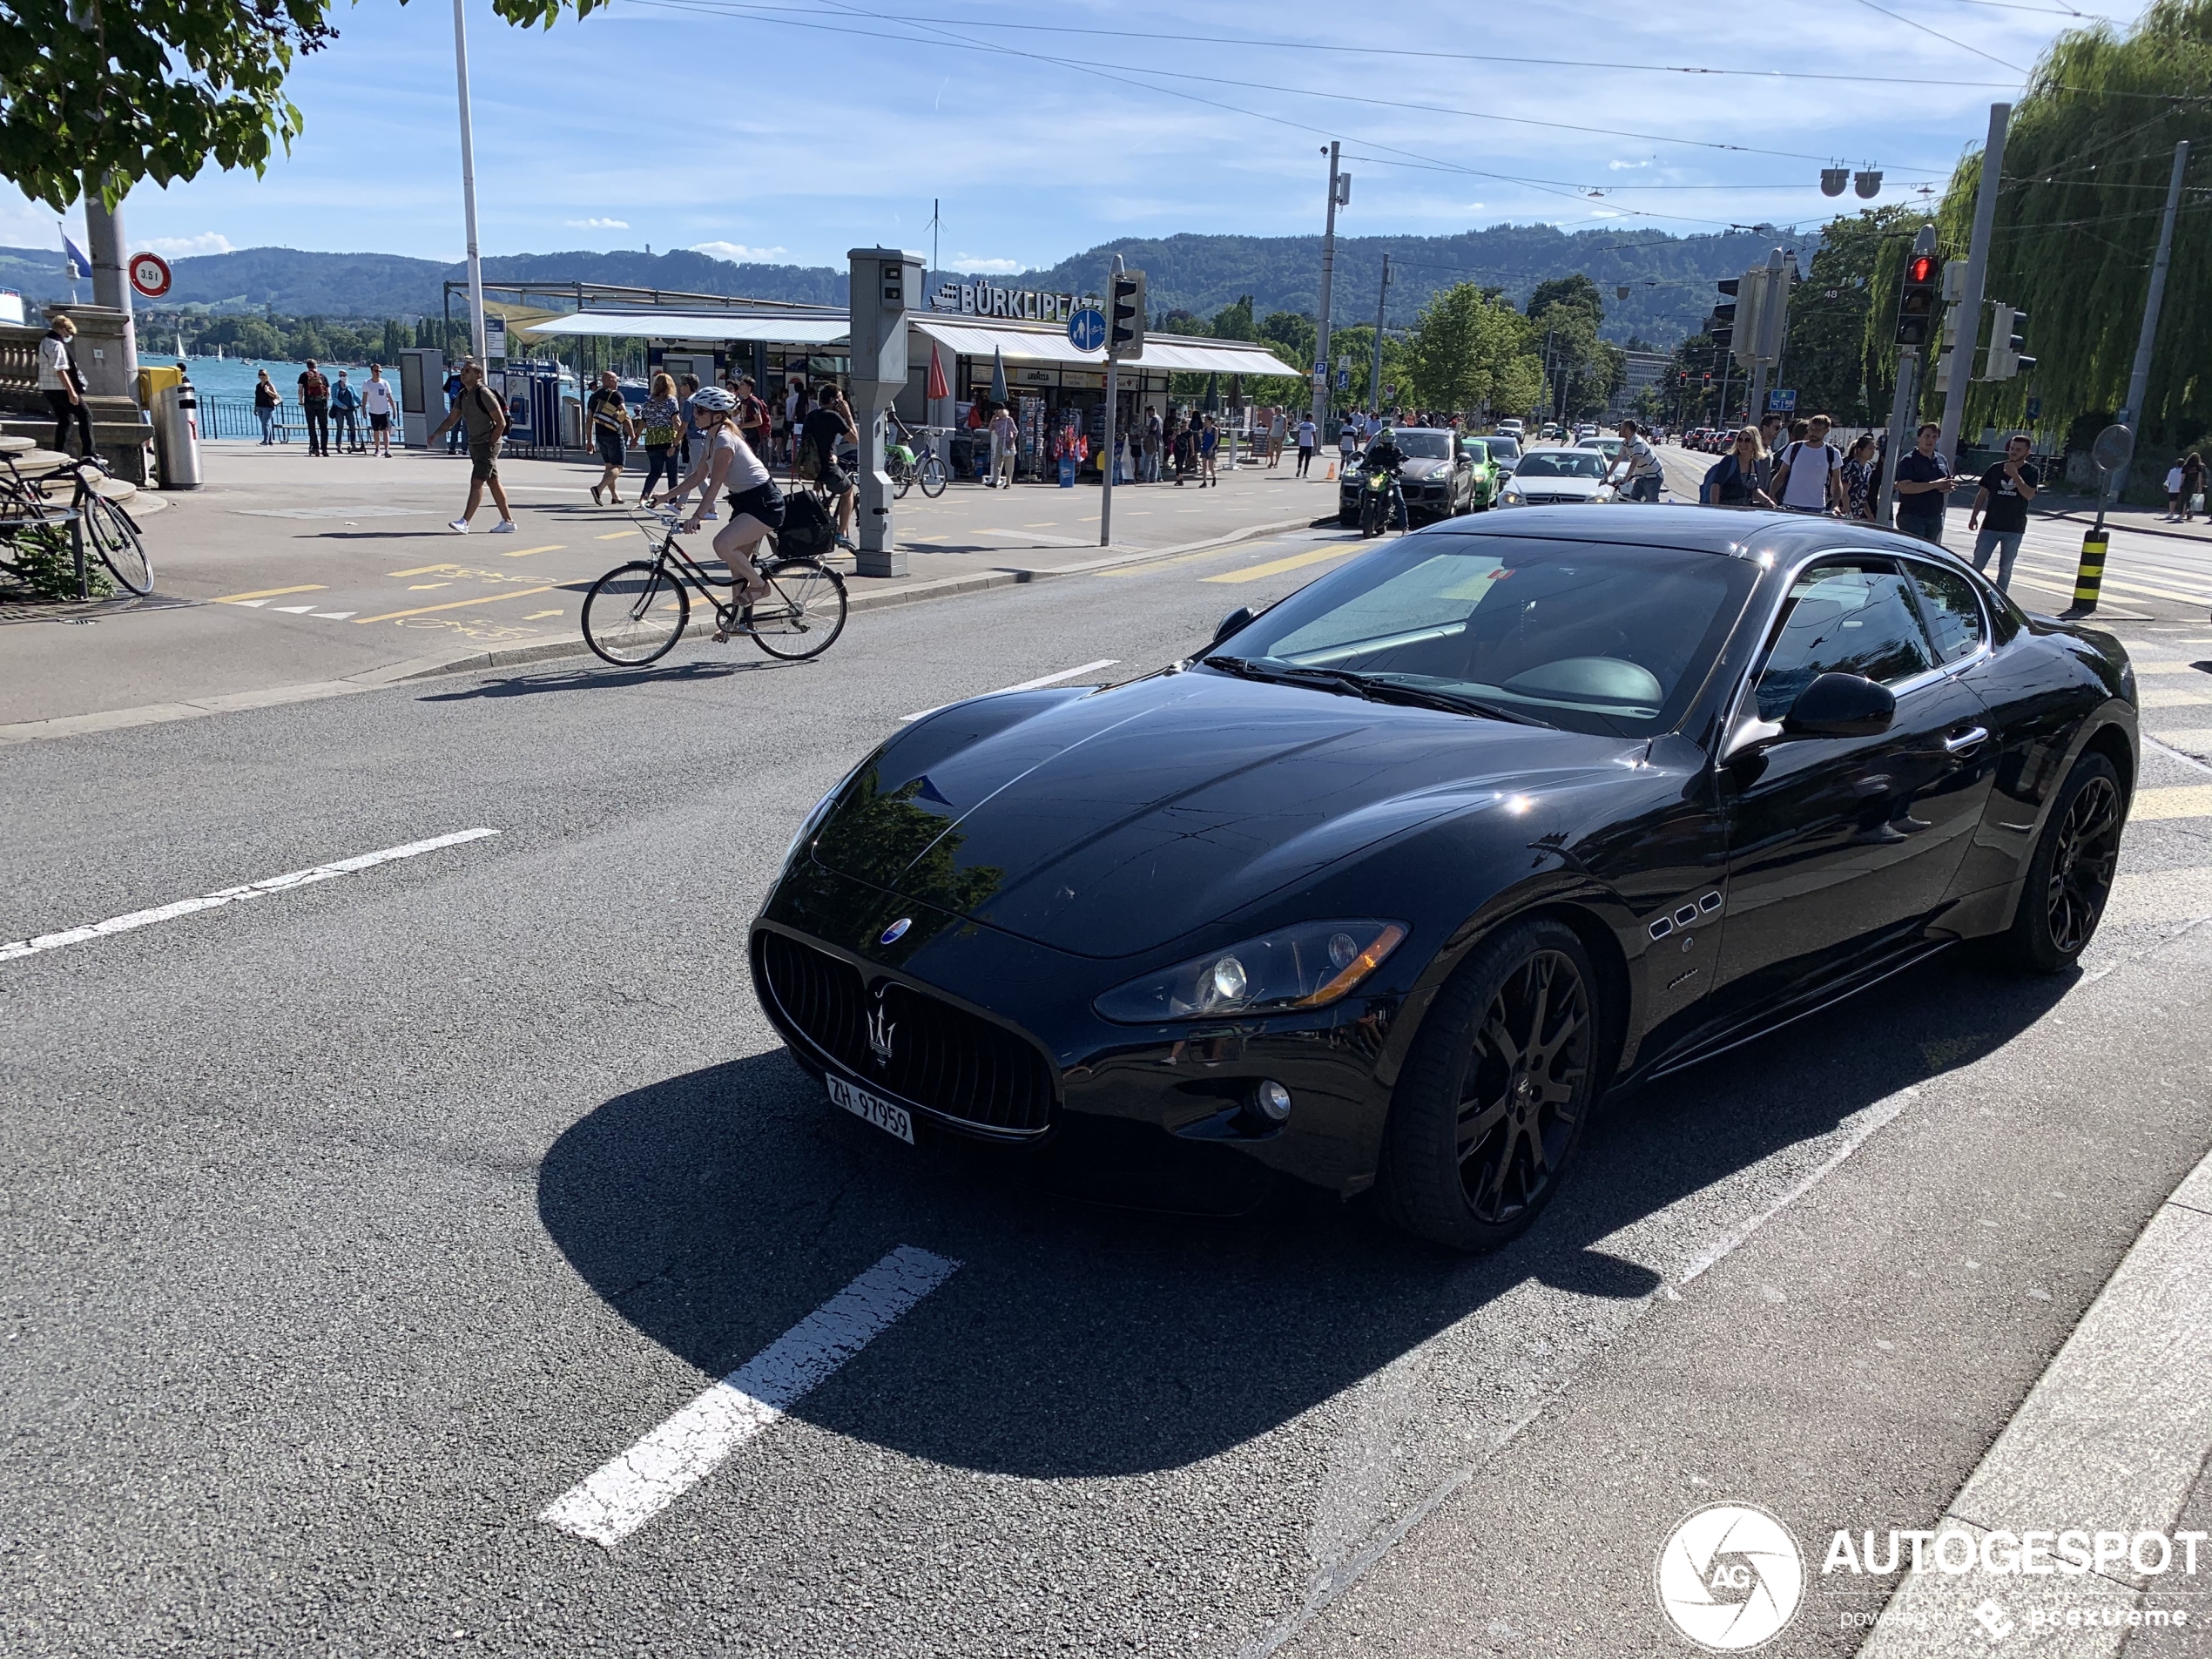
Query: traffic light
[[1916, 304], [2007, 331], [1126, 315], [1720, 328]]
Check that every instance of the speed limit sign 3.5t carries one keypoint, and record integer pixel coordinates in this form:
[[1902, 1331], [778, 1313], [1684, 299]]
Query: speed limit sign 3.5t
[[149, 274]]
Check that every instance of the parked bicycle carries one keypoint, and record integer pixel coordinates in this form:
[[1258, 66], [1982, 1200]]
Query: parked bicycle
[[95, 524], [911, 458], [635, 614]]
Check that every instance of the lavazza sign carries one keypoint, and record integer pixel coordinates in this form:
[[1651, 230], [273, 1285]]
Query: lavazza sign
[[979, 300]]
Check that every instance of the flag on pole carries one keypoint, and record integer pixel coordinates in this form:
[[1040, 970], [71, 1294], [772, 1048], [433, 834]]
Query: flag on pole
[[937, 387], [79, 266]]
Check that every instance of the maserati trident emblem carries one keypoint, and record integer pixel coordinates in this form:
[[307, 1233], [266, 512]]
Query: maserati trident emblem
[[881, 1031], [895, 931]]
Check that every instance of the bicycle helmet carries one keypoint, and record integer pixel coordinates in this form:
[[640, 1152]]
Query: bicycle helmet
[[714, 398]]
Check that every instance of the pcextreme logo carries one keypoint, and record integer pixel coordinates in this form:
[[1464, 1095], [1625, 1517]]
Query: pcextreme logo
[[1730, 1577]]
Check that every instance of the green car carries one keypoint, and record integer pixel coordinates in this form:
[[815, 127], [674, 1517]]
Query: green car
[[1489, 478]]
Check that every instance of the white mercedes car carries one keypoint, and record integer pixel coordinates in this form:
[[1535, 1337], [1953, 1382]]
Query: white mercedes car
[[1553, 475]]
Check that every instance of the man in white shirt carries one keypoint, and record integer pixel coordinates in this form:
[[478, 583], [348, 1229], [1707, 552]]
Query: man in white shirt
[[1808, 473], [58, 379], [1641, 475], [381, 408], [1307, 437]]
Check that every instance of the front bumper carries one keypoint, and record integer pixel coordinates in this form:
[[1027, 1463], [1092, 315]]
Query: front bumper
[[1133, 1094]]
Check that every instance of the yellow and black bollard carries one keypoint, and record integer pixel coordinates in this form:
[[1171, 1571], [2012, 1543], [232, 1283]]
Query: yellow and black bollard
[[2091, 576]]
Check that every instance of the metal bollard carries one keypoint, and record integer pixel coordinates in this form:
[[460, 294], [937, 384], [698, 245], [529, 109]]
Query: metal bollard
[[2091, 576]]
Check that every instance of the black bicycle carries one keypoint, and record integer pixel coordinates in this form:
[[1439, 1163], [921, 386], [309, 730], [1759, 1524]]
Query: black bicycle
[[635, 614]]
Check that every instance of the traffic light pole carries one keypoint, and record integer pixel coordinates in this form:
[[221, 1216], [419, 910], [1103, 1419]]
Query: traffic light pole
[[1107, 467], [1908, 388], [1962, 356]]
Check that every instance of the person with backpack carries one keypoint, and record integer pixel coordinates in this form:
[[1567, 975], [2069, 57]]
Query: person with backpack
[[611, 429], [827, 425], [314, 404], [479, 412], [660, 423], [757, 507], [1734, 480], [1809, 475]]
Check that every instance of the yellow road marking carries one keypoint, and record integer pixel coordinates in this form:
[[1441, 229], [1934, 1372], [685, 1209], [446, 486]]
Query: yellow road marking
[[423, 569], [550, 547], [419, 587], [453, 604], [2187, 800], [540, 616], [612, 535], [269, 593], [1275, 567], [1043, 524], [1189, 559]]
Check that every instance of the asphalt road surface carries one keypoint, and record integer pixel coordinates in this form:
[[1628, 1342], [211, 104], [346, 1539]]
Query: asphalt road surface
[[352, 1222]]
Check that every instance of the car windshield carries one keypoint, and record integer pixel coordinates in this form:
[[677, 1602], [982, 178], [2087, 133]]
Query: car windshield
[[1562, 463], [1605, 637], [1503, 446], [1423, 446]]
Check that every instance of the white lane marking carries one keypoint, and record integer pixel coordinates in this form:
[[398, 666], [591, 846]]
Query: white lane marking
[[629, 1491], [1026, 686], [223, 896], [1863, 1127], [292, 611], [332, 615]]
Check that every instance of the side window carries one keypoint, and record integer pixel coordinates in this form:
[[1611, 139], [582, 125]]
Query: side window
[[1953, 612], [1843, 619]]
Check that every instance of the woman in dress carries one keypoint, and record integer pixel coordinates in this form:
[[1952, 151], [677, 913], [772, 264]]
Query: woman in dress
[[1858, 476]]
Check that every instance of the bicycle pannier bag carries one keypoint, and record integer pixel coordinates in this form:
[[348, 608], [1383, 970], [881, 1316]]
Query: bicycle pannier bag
[[808, 531]]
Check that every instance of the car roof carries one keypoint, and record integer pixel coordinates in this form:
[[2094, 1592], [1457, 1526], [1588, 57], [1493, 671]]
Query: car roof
[[1756, 533]]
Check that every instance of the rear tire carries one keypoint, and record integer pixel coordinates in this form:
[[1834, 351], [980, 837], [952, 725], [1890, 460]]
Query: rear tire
[[1491, 1105], [635, 614], [804, 612], [2069, 875], [108, 533]]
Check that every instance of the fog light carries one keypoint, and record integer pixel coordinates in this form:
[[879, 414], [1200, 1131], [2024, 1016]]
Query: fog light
[[1271, 1101]]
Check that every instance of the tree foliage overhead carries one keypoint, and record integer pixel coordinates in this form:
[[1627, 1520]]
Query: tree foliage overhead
[[2087, 162], [160, 88], [1468, 351]]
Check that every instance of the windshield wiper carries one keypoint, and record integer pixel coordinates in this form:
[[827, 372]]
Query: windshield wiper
[[1452, 702], [1318, 679], [1374, 688]]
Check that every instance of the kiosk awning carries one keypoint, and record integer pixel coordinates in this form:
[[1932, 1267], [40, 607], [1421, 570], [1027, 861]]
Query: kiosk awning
[[1038, 345], [712, 324]]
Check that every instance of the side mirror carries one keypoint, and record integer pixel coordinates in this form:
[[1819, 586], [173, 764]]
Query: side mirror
[[1236, 622], [1841, 705]]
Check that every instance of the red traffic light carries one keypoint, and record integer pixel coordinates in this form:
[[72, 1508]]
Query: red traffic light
[[1922, 268]]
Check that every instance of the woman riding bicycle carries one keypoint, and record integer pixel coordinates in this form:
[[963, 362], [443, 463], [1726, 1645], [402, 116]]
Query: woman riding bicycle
[[756, 505]]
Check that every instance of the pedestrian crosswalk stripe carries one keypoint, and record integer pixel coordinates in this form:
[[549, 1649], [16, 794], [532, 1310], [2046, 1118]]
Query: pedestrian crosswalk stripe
[[1277, 567], [2196, 740], [2173, 697], [2185, 800], [2160, 896], [292, 611], [2178, 666]]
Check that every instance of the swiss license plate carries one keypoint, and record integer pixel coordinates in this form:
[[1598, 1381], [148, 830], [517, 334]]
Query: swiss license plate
[[892, 1120]]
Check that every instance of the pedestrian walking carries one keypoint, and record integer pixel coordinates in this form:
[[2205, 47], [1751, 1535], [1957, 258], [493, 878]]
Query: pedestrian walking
[[1154, 434], [612, 428], [381, 408], [1278, 432], [1809, 476], [1185, 449], [1860, 471], [315, 405], [62, 386], [2000, 506], [1738, 478], [455, 386], [1348, 444], [479, 415], [2174, 480], [264, 404], [1004, 448], [344, 400], [754, 424], [1923, 480], [2192, 485], [1307, 439], [660, 426], [1209, 441]]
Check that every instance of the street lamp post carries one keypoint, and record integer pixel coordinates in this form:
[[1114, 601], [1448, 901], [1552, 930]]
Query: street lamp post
[[469, 183]]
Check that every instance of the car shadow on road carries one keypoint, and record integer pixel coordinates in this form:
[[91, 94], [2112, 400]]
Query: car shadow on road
[[715, 1210]]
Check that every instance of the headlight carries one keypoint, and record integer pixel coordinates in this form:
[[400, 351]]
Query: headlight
[[1509, 496], [1306, 967]]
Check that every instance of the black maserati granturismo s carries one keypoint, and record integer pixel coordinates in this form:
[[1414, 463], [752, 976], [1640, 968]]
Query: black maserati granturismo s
[[1389, 883]]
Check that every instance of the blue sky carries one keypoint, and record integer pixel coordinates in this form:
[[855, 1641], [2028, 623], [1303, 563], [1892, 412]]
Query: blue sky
[[791, 130]]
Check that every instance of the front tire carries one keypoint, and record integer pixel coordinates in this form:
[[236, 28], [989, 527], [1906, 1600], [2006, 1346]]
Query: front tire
[[932, 475], [1491, 1105], [2069, 876], [635, 614]]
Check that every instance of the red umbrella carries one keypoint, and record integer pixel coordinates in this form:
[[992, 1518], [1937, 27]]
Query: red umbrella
[[937, 387]]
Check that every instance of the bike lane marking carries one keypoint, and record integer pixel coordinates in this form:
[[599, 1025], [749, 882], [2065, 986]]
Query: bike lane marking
[[628, 1490], [226, 895], [454, 605], [1277, 567], [1026, 686]]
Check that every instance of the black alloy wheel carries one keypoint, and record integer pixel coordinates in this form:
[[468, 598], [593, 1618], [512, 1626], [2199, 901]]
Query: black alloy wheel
[[2069, 878], [1495, 1097]]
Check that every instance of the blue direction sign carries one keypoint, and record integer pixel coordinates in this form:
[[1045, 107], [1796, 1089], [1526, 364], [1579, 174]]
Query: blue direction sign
[[1783, 401], [1087, 329]]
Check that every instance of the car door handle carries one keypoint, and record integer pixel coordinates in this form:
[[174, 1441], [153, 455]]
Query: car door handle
[[1967, 741]]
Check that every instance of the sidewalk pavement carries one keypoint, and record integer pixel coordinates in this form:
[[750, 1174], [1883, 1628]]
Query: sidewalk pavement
[[287, 573], [2113, 1442]]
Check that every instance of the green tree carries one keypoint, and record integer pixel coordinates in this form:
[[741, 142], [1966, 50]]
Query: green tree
[[1466, 351], [394, 339], [1295, 333], [90, 90], [1830, 355], [1234, 322], [1576, 290], [2087, 161]]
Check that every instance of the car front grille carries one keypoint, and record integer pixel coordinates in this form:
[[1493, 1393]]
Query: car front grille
[[943, 1059], [1549, 501]]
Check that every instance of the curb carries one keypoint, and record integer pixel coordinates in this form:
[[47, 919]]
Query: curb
[[2113, 1439]]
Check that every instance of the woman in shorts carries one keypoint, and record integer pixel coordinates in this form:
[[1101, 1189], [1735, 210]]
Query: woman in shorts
[[756, 505]]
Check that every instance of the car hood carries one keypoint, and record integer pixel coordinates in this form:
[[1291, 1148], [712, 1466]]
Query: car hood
[[1536, 484], [1113, 822]]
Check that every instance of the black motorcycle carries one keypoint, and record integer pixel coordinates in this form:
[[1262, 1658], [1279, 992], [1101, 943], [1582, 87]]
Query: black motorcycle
[[1382, 501]]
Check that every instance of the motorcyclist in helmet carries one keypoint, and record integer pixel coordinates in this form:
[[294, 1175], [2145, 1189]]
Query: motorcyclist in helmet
[[1384, 455]]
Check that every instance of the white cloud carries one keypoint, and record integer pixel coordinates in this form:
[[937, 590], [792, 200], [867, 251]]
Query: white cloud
[[178, 248], [1473, 208], [596, 224], [1625, 166], [969, 265], [737, 252]]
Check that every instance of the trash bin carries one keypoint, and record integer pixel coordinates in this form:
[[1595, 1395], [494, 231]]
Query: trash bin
[[176, 436]]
